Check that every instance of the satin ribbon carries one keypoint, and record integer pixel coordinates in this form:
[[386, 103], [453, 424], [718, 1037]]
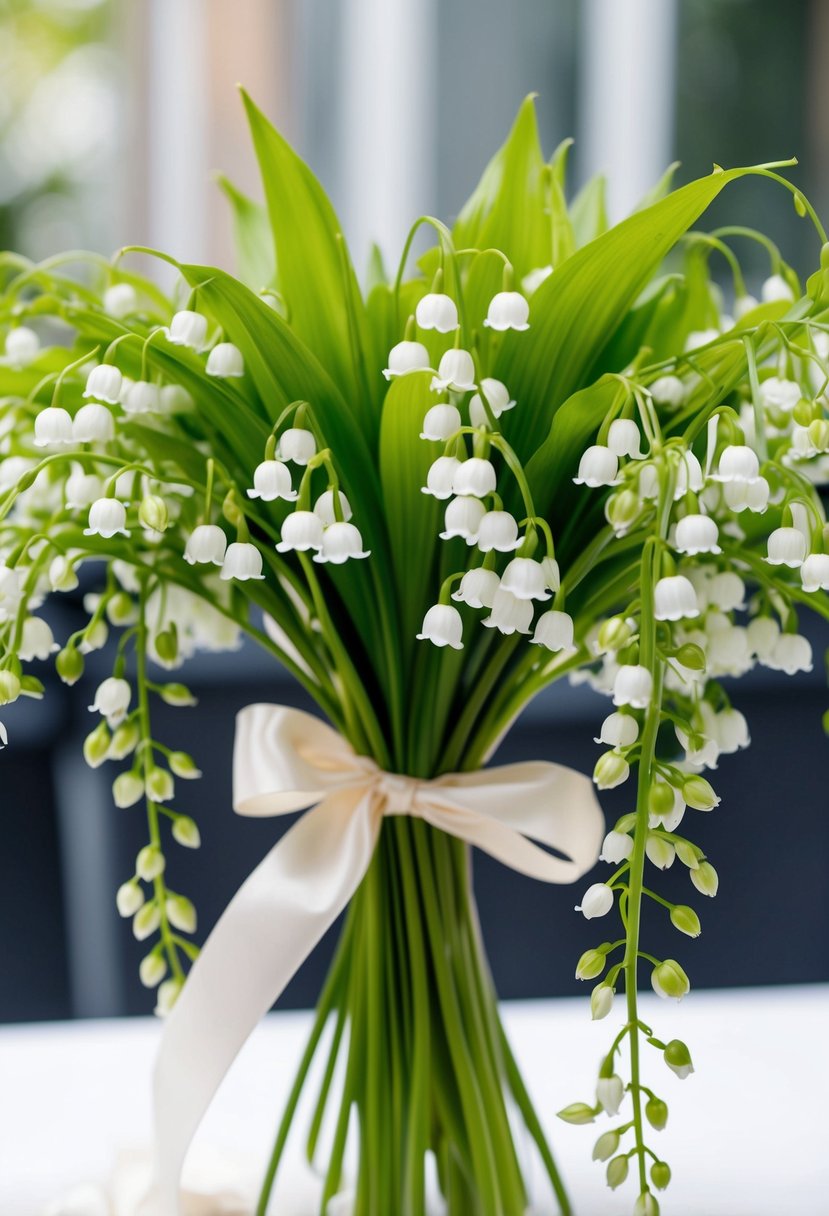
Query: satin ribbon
[[285, 761]]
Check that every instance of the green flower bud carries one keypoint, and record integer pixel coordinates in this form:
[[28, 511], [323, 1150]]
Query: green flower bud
[[121, 609], [153, 513], [622, 509], [168, 994], [678, 1058], [686, 920], [699, 793], [590, 965], [660, 852], [96, 746], [181, 913], [656, 1112], [146, 921], [646, 1205], [150, 862], [124, 740], [705, 879], [605, 1146], [152, 969], [691, 656], [69, 665], [660, 1175], [127, 789], [611, 770], [617, 1172], [669, 980], [166, 644], [95, 637], [129, 898], [687, 854], [819, 434], [186, 832], [601, 1001], [160, 785], [805, 412], [231, 510], [177, 694], [31, 686], [613, 634], [660, 799], [183, 766], [577, 1112], [9, 687]]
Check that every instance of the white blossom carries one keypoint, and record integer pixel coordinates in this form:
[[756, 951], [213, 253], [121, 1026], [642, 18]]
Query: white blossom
[[477, 588], [475, 477], [38, 641], [792, 653], [509, 614], [272, 480], [297, 445], [700, 337], [814, 573], [225, 361], [142, 397], [93, 423], [324, 507], [53, 425], [675, 599], [743, 305], [441, 477], [443, 626], [441, 422], [188, 328], [732, 731], [554, 630], [497, 398], [498, 531], [406, 357], [689, 475], [206, 544], [104, 384], [301, 531], [597, 467], [107, 517], [463, 518], [61, 574], [437, 311], [762, 633], [534, 278], [112, 700], [697, 534], [780, 394], [633, 686], [738, 463], [786, 547], [618, 730], [508, 310], [242, 561], [596, 901], [22, 346], [340, 542], [726, 591], [616, 847], [120, 300], [668, 390], [776, 288], [609, 1094], [456, 371], [623, 438], [525, 578]]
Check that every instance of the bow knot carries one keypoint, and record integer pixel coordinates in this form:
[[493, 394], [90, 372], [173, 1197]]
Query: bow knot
[[286, 761]]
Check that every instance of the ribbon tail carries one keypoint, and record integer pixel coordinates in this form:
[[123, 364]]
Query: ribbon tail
[[267, 931]]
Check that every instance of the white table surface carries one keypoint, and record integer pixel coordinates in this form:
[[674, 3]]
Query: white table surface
[[746, 1134]]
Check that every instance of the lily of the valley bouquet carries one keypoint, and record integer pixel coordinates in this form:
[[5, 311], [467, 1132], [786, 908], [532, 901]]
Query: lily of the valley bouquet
[[542, 452]]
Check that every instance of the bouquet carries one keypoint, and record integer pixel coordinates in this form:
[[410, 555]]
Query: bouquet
[[546, 449]]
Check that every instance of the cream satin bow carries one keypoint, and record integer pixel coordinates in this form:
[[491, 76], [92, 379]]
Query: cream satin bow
[[285, 761]]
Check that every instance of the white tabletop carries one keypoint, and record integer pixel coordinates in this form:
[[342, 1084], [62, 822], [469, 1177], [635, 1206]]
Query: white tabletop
[[746, 1134]]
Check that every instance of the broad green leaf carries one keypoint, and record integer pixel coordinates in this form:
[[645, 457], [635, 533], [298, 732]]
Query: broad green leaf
[[252, 235], [316, 277], [588, 211], [563, 236], [576, 311]]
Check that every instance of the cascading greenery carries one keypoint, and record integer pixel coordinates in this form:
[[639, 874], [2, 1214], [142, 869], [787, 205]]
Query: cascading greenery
[[646, 559]]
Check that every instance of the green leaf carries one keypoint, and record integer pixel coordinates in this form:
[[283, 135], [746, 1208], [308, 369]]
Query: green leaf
[[588, 211], [252, 235], [316, 277], [660, 189]]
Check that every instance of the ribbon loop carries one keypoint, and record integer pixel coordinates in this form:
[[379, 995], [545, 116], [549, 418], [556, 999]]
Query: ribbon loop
[[286, 760]]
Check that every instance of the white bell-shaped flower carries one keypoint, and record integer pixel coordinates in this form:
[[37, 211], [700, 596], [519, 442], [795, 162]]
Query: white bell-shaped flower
[[689, 475], [206, 545], [297, 445], [93, 423], [61, 574], [476, 477], [437, 311], [525, 578], [341, 541], [406, 357], [22, 346], [780, 394], [623, 438], [242, 561], [107, 517], [633, 685], [301, 531], [441, 422], [456, 371], [675, 599], [104, 384], [120, 300], [463, 518], [609, 1094], [443, 626], [509, 614], [534, 278], [142, 397], [552, 575], [497, 397], [225, 361], [498, 531], [776, 288], [753, 496], [668, 390], [738, 463], [175, 399], [786, 547], [441, 477], [188, 328], [82, 489], [618, 730], [700, 337], [112, 700], [12, 469], [554, 630], [477, 588], [508, 310], [596, 901], [53, 425], [697, 534], [726, 591], [324, 507], [732, 731], [802, 446], [616, 847], [597, 467], [272, 480], [792, 653], [744, 304], [762, 633], [38, 641], [814, 573]]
